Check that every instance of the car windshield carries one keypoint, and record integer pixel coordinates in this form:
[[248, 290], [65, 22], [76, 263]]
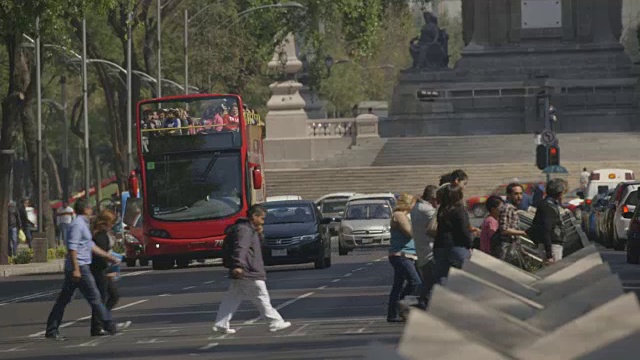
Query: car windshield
[[368, 211], [194, 186], [632, 199], [333, 206], [288, 214]]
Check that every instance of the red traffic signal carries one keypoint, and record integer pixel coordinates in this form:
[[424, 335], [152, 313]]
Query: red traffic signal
[[554, 155]]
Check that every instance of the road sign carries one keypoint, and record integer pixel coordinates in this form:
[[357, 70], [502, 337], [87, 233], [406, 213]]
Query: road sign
[[548, 137]]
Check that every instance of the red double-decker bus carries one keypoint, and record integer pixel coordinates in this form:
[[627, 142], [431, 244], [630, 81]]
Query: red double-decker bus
[[200, 160]]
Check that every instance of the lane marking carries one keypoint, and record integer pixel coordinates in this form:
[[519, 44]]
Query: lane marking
[[209, 346], [29, 297], [377, 260], [322, 287], [208, 282], [168, 331], [38, 334], [136, 273], [358, 269], [92, 343], [298, 331], [369, 264], [151, 341], [129, 305], [17, 348], [164, 295], [281, 306], [335, 280], [188, 287], [347, 274]]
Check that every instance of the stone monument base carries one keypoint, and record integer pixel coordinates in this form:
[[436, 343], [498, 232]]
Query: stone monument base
[[496, 91]]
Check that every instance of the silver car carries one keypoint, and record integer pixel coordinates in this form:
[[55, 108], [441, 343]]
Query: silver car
[[365, 223]]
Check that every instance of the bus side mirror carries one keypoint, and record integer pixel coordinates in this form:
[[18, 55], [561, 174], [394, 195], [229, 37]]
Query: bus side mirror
[[257, 178]]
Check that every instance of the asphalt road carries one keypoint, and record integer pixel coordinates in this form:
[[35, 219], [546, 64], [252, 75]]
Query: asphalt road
[[336, 313]]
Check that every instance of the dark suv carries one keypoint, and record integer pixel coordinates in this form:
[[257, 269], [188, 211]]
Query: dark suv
[[296, 233]]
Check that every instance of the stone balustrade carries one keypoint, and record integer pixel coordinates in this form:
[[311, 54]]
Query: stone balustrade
[[339, 127]]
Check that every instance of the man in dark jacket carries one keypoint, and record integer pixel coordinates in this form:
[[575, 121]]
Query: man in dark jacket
[[546, 228], [248, 276], [15, 224]]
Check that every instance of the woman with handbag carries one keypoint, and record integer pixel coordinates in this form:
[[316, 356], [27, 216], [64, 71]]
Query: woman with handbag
[[100, 269], [402, 256]]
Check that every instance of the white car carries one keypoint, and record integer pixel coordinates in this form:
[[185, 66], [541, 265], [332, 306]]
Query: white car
[[391, 198], [283, 198], [624, 213], [334, 196]]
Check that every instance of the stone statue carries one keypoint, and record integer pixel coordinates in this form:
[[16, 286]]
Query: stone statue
[[430, 51]]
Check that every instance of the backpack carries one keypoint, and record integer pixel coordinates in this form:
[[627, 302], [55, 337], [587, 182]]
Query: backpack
[[229, 244]]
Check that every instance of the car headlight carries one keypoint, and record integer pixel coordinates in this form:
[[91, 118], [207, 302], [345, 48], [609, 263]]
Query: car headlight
[[311, 237], [345, 230], [386, 228], [129, 239]]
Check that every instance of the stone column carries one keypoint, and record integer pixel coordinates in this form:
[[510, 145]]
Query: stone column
[[602, 29], [286, 117], [366, 127], [481, 25], [467, 20]]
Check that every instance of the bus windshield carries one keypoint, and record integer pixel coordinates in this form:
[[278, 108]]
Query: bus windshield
[[194, 186]]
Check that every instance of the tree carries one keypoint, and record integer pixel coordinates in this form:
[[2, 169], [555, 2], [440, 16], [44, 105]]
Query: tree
[[18, 18]]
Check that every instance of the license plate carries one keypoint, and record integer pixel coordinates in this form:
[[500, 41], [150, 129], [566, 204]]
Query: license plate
[[367, 240], [279, 252]]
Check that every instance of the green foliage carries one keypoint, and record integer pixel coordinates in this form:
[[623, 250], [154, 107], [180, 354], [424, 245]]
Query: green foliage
[[58, 253], [24, 256], [119, 247]]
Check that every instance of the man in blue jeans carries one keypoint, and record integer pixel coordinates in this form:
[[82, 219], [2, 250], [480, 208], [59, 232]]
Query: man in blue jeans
[[14, 225], [77, 274]]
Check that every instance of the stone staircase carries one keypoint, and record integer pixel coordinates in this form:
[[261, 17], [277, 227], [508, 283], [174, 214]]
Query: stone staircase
[[493, 149], [360, 155], [312, 183]]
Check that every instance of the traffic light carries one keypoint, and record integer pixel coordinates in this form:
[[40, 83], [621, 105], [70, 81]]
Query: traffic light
[[542, 157], [554, 155]]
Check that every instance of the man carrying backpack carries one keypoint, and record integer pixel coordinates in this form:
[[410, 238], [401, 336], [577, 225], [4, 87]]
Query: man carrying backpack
[[243, 256]]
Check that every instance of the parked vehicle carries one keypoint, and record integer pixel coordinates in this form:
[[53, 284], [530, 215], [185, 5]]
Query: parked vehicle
[[333, 208], [593, 213], [365, 223], [614, 207], [391, 198], [603, 180], [633, 238], [334, 196], [573, 202], [295, 233], [283, 198]]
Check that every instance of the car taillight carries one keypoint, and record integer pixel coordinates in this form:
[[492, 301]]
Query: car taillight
[[625, 209], [595, 176], [588, 201], [629, 176]]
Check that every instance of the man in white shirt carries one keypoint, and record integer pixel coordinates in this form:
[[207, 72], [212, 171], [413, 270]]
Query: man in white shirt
[[65, 217], [422, 214], [584, 179]]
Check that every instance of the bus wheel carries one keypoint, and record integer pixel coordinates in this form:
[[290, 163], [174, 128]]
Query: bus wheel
[[182, 263], [131, 262], [144, 262]]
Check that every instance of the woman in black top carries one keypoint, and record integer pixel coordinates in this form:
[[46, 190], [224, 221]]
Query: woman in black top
[[454, 239], [99, 267]]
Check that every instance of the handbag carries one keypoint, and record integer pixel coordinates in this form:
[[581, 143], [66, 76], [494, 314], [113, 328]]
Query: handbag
[[21, 236]]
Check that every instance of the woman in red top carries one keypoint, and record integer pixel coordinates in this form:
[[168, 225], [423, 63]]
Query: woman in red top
[[490, 224]]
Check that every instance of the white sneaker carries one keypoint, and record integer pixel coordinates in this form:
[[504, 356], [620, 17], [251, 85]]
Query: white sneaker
[[223, 330], [279, 326]]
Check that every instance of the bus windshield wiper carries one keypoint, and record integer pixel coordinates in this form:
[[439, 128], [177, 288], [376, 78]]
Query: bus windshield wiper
[[180, 209]]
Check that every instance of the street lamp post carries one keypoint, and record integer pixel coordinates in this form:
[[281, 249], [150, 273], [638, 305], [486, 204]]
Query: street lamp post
[[129, 95], [186, 52], [41, 208], [159, 30], [65, 140], [85, 105]]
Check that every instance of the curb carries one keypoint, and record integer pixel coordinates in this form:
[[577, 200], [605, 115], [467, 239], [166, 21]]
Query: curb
[[53, 267]]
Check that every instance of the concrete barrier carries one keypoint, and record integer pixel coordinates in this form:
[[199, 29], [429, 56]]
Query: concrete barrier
[[427, 337], [577, 304], [612, 328], [504, 332], [487, 294], [574, 309]]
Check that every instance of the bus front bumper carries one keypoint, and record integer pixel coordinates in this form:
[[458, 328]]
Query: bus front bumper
[[184, 248]]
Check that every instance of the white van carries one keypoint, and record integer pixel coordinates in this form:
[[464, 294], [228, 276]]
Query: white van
[[283, 198], [604, 180]]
